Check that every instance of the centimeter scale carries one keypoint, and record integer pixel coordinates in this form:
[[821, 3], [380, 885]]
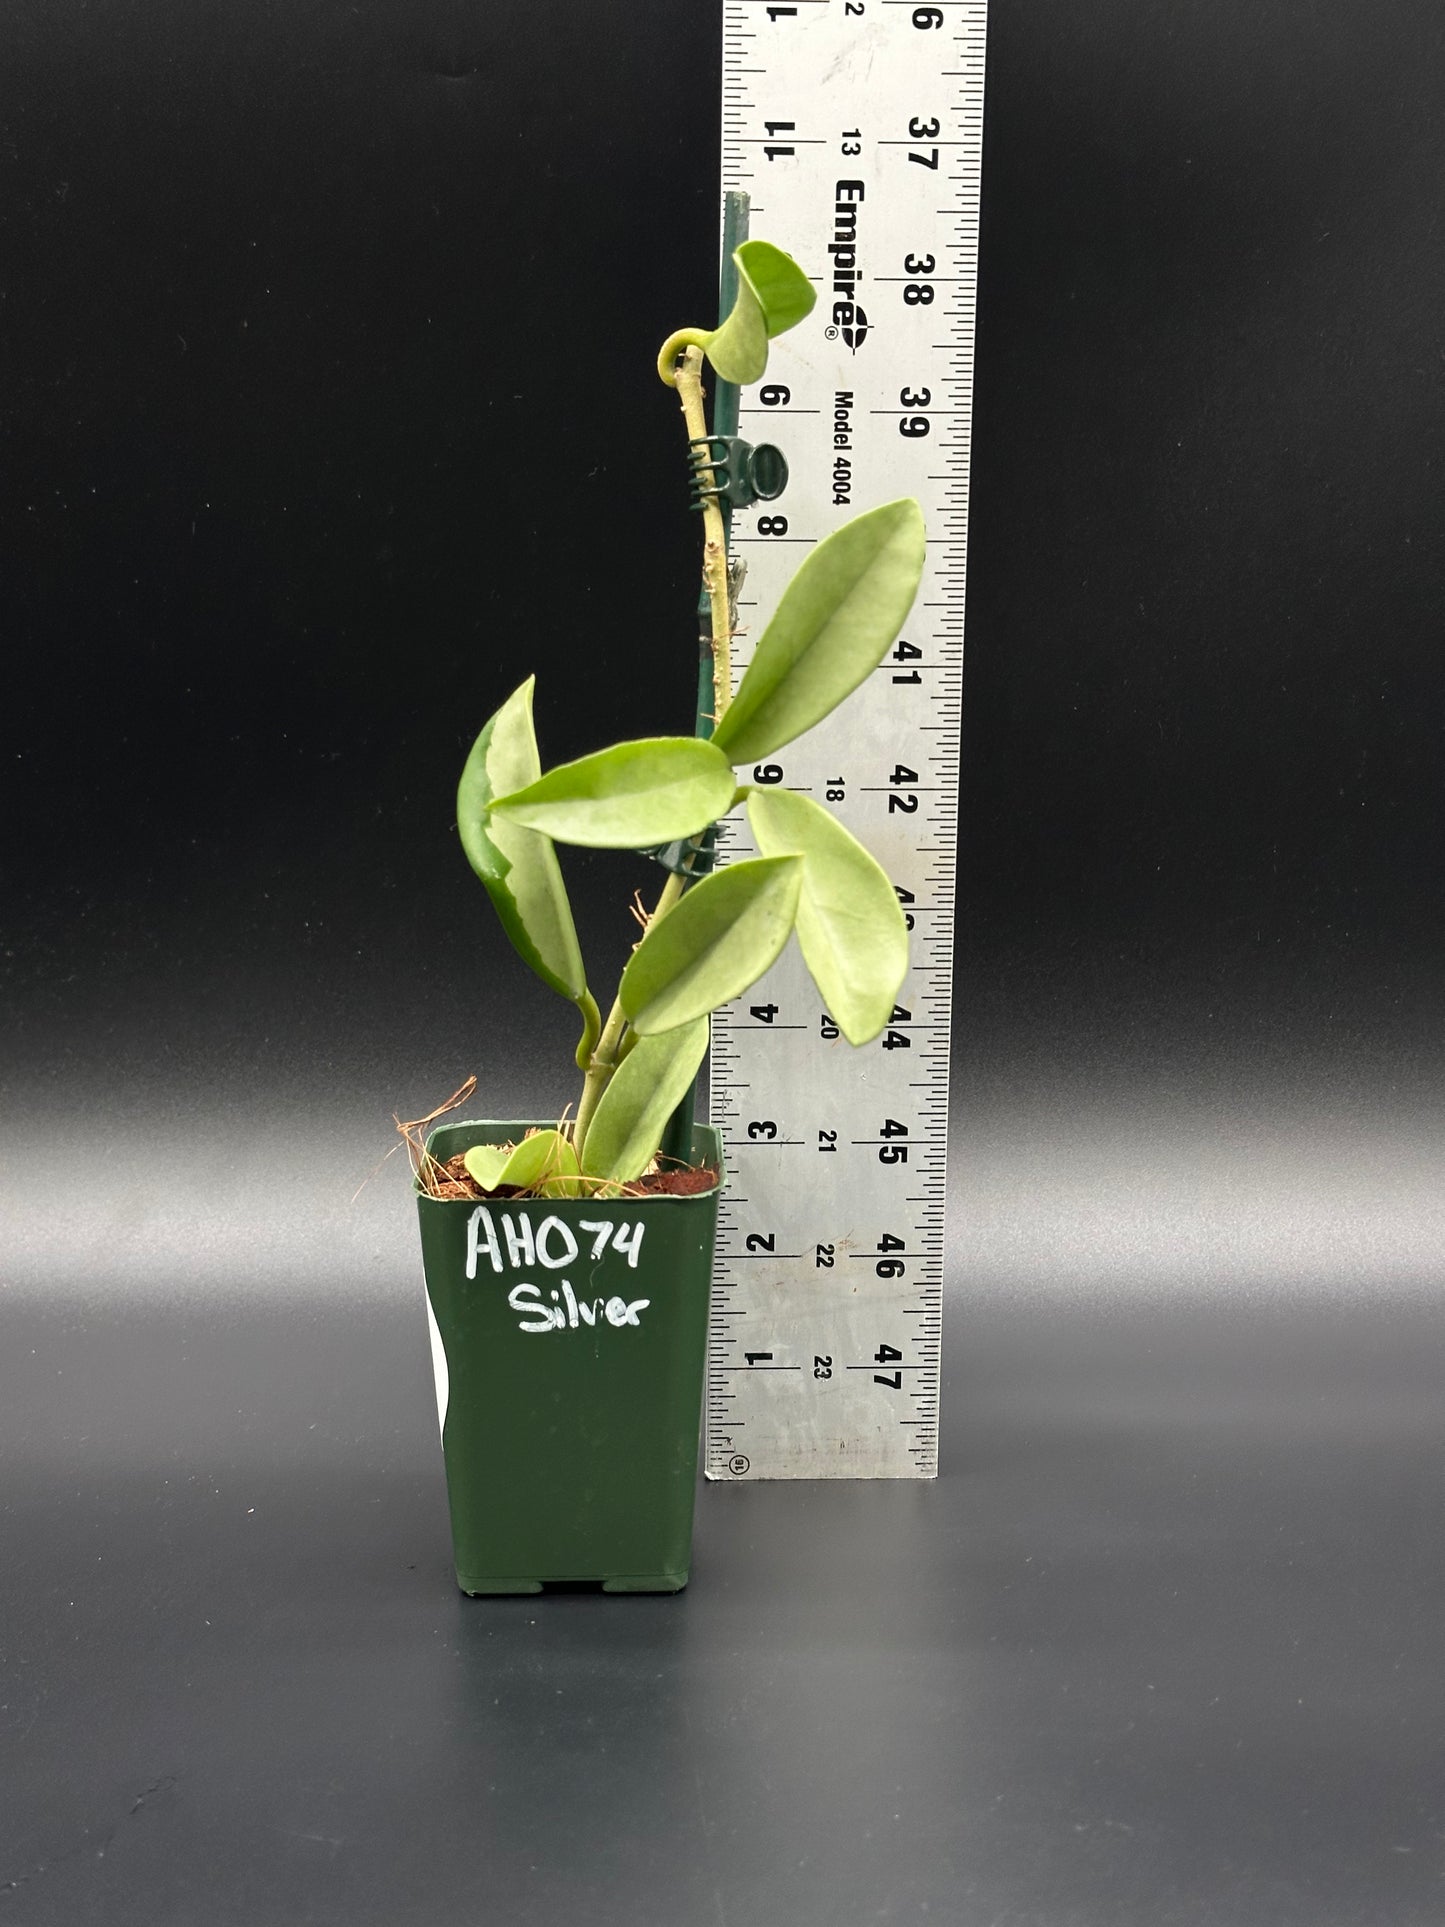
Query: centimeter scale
[[856, 127]]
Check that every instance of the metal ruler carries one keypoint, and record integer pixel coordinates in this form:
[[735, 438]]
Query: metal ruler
[[856, 127]]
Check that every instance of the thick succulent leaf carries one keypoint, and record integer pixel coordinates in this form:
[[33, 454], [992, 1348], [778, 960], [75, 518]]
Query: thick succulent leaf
[[646, 1089], [838, 618], [850, 929], [773, 295], [544, 1154], [559, 1174], [543, 1162], [519, 867], [785, 294], [719, 939], [486, 1163], [627, 797]]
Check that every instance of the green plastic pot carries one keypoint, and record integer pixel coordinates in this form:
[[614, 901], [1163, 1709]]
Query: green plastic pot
[[569, 1338]]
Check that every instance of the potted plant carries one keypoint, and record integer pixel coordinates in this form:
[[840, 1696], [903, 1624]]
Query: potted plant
[[568, 1262]]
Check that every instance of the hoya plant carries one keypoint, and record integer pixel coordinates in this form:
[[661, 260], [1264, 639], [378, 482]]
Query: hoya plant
[[705, 941]]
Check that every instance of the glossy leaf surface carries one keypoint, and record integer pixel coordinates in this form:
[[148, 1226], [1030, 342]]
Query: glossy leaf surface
[[627, 797], [719, 939], [773, 295], [850, 929], [836, 621], [519, 867], [646, 1089]]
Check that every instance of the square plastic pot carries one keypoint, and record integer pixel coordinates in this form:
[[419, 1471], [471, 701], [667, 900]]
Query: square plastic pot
[[569, 1338]]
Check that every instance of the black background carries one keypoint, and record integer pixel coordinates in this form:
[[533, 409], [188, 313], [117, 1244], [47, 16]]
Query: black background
[[327, 412], [330, 414]]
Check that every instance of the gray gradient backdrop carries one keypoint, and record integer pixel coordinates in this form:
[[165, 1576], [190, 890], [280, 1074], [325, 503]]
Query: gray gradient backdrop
[[290, 304]]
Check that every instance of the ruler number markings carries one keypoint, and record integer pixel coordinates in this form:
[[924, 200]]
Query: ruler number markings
[[823, 1351]]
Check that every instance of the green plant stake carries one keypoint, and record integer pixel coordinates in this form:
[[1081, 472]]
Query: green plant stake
[[571, 1411], [678, 1134]]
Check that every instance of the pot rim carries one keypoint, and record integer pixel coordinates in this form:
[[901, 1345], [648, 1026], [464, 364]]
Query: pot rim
[[550, 1124]]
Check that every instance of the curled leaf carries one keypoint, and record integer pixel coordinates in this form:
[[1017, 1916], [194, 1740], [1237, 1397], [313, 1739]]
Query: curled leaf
[[773, 295], [542, 1155], [486, 1163], [519, 867], [544, 1162]]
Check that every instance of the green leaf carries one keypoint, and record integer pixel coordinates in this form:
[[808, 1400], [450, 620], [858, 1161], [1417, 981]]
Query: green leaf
[[646, 1089], [719, 939], [837, 620], [544, 1162], [519, 867], [558, 1175], [486, 1163], [773, 295], [542, 1155], [851, 931], [627, 797]]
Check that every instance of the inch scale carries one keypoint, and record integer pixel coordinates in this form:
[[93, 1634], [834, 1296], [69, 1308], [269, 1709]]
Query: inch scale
[[856, 128]]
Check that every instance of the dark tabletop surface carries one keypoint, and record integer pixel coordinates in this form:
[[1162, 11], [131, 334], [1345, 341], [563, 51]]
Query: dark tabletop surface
[[1160, 1645]]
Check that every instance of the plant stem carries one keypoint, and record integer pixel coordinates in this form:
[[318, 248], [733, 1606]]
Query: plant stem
[[604, 1057], [688, 381], [715, 548], [668, 353]]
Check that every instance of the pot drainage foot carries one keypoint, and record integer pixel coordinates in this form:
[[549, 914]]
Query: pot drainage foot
[[495, 1588]]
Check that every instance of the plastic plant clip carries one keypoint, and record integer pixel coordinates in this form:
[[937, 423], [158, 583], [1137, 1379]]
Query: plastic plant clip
[[742, 473], [691, 859]]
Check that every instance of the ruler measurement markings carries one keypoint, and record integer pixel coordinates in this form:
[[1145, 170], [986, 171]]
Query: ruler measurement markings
[[796, 1075]]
